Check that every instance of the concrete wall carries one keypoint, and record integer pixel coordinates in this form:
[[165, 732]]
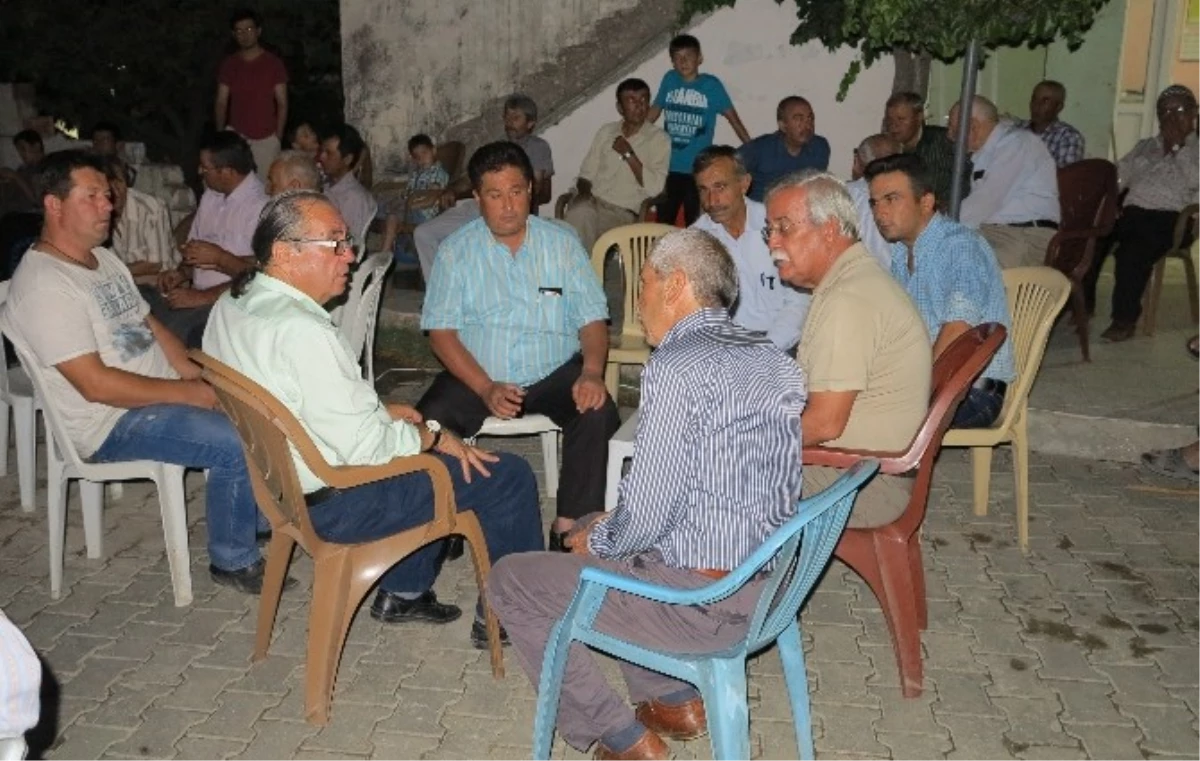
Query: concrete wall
[[1090, 74], [434, 65], [747, 47]]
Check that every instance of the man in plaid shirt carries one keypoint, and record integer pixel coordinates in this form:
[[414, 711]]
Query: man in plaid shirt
[[1064, 141]]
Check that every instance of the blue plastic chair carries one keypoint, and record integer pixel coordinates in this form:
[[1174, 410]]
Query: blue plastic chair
[[800, 549]]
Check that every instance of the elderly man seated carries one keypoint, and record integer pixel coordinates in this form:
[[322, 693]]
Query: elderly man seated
[[1162, 176], [950, 273], [1014, 186], [765, 304], [516, 314], [272, 328], [864, 350], [293, 170], [687, 513], [141, 234]]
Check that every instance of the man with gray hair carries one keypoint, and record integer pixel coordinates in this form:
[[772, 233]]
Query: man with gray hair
[[865, 351], [686, 513], [293, 170], [1014, 186], [874, 147], [520, 118]]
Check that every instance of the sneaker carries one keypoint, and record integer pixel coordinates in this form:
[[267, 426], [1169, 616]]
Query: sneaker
[[479, 636], [248, 580], [392, 609]]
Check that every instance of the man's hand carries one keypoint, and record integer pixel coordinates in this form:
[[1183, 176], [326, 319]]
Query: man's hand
[[170, 280], [621, 145], [447, 199], [186, 298], [200, 394], [504, 400], [202, 254], [471, 458], [589, 392], [404, 412], [577, 538]]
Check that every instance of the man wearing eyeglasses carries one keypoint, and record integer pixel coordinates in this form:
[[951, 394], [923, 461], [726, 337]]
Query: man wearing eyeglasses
[[1162, 175], [273, 328], [218, 245]]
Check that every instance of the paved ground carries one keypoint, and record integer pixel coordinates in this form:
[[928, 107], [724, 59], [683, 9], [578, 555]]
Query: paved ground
[[1084, 648]]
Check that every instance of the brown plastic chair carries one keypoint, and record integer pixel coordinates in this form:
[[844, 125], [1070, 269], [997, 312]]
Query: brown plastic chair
[[343, 573], [1087, 195], [888, 557], [634, 242], [450, 156], [1181, 250]]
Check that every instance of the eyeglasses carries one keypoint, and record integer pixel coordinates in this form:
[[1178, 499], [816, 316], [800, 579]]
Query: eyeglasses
[[345, 244], [782, 228]]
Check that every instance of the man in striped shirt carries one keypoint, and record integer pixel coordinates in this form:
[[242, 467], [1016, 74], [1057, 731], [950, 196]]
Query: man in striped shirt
[[718, 403]]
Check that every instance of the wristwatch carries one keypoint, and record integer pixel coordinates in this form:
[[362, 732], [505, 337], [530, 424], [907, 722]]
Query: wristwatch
[[626, 155], [435, 428]]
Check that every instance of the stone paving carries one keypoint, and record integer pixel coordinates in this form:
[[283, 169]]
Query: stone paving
[[1084, 648]]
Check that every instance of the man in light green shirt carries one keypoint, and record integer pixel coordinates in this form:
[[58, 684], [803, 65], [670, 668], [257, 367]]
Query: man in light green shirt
[[272, 328]]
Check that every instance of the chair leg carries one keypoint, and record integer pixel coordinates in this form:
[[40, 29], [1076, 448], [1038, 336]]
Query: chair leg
[[468, 525], [279, 554], [56, 520], [172, 502], [24, 420], [1189, 271], [1079, 309], [612, 379], [726, 708], [1152, 296], [554, 664], [91, 494], [916, 570], [550, 461], [981, 466], [327, 626], [890, 579], [795, 676], [1020, 452]]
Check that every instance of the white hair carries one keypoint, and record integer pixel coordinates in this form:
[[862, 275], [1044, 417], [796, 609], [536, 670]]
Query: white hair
[[704, 262], [827, 198]]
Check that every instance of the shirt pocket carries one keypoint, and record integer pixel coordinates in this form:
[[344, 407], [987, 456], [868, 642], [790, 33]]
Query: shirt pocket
[[551, 310]]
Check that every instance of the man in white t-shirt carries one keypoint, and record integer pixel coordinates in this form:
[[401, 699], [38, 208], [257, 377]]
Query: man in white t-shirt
[[120, 380]]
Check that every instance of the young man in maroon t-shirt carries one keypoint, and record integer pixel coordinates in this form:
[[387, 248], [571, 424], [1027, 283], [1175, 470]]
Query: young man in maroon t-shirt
[[252, 91]]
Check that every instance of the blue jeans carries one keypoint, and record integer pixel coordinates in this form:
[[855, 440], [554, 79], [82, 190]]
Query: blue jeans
[[979, 409], [506, 505], [183, 435]]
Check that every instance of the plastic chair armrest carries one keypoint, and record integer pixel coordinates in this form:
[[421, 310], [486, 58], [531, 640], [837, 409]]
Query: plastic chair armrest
[[892, 463]]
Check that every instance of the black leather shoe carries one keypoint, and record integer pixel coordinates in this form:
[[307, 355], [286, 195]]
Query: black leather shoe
[[248, 580], [557, 541], [479, 636], [393, 609], [454, 548]]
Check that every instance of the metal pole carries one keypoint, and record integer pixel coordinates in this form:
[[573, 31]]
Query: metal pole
[[970, 73]]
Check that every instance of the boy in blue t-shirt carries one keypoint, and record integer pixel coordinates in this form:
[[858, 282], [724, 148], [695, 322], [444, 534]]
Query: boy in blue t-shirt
[[691, 102]]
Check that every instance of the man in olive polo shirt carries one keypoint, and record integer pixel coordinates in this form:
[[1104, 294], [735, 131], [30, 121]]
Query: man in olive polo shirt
[[864, 349]]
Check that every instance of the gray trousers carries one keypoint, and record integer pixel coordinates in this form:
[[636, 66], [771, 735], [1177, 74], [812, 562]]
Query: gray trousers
[[530, 592], [429, 235]]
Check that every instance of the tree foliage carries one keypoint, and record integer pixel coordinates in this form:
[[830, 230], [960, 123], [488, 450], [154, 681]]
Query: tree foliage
[[150, 66], [939, 28]]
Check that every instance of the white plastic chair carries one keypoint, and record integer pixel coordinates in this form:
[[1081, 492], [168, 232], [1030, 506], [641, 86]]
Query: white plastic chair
[[361, 244], [529, 425], [65, 464], [16, 394], [620, 449], [361, 310], [12, 748]]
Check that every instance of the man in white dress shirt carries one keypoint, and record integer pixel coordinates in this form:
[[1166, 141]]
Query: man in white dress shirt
[[341, 150], [1014, 186], [874, 147], [766, 304]]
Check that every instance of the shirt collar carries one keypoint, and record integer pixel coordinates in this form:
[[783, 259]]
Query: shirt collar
[[694, 322], [265, 282], [844, 261]]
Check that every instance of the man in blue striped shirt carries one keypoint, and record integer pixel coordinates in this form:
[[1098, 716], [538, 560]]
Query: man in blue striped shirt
[[516, 314], [718, 403]]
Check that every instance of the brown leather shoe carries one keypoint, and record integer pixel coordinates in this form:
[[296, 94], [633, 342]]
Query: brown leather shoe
[[685, 721], [649, 745]]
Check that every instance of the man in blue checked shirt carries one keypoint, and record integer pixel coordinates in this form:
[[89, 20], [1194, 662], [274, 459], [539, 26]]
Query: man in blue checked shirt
[[949, 271], [516, 314], [718, 403]]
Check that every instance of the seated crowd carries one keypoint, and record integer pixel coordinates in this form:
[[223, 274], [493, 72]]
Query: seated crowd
[[796, 310]]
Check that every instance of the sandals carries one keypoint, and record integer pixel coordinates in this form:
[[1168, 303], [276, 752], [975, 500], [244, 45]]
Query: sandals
[[1169, 463]]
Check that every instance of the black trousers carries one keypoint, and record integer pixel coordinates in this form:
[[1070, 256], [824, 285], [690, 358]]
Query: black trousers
[[585, 436], [680, 191], [1141, 237]]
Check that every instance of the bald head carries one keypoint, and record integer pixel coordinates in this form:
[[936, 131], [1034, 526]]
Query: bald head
[[874, 147], [293, 170]]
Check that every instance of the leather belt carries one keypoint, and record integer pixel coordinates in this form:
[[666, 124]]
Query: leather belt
[[314, 498], [992, 385], [1036, 223]]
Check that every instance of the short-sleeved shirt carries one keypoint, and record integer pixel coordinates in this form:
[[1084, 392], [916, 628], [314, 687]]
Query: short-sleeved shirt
[[229, 222], [539, 153], [690, 111], [956, 278], [864, 334], [767, 159], [427, 178], [60, 311], [1159, 180], [252, 92], [143, 233], [1065, 143], [518, 314]]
